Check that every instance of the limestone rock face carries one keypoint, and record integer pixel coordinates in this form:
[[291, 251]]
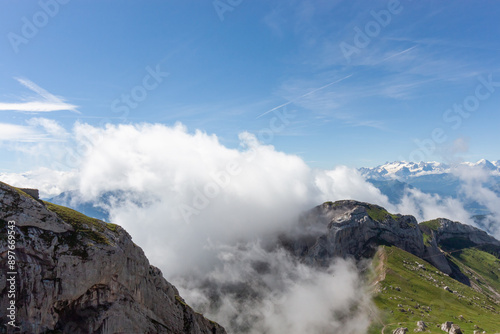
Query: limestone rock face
[[454, 231], [434, 255], [400, 330], [351, 228], [355, 229], [86, 277], [447, 232]]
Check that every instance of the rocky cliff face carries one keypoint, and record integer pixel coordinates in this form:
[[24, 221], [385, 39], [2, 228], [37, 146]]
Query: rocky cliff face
[[355, 229], [444, 233], [352, 229], [82, 275]]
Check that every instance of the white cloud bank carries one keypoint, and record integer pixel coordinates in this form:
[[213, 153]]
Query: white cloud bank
[[200, 211], [474, 185]]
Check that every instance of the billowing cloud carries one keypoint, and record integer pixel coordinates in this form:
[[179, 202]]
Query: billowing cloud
[[430, 206], [48, 181], [476, 185], [266, 291], [207, 214], [192, 184]]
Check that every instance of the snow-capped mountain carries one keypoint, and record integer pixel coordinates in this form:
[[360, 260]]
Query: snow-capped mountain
[[394, 179], [402, 170]]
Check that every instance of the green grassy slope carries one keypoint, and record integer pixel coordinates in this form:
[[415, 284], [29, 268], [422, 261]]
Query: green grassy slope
[[406, 293], [482, 268]]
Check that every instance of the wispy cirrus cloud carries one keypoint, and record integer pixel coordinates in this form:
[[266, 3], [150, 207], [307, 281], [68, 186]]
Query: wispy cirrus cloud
[[37, 130], [13, 132], [43, 102]]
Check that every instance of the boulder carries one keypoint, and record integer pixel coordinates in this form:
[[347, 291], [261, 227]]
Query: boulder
[[455, 329], [446, 326], [421, 326]]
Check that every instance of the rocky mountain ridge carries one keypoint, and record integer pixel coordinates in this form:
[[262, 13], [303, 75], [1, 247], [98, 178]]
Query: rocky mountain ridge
[[81, 275], [355, 229], [423, 275]]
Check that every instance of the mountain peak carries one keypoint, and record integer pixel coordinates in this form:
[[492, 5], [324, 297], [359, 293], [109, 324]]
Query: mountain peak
[[350, 228], [402, 170]]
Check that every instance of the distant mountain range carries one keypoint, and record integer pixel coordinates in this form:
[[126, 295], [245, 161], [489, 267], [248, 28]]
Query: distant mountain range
[[404, 171], [393, 178]]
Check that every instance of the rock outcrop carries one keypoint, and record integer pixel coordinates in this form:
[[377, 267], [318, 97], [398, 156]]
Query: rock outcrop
[[82, 275], [352, 229], [355, 229], [451, 328], [447, 232], [421, 326], [444, 233], [446, 326]]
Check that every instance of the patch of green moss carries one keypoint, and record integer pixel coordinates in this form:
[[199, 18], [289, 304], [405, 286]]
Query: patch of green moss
[[73, 217], [332, 204], [434, 224], [180, 300], [81, 223], [379, 214], [427, 239], [112, 227]]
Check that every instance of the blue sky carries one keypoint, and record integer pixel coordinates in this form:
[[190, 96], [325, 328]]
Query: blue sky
[[362, 82]]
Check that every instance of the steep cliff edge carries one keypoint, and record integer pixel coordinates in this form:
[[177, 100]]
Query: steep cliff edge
[[81, 275], [355, 229], [351, 229]]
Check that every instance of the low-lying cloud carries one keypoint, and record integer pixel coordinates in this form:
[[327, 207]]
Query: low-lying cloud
[[476, 184], [257, 291], [202, 211]]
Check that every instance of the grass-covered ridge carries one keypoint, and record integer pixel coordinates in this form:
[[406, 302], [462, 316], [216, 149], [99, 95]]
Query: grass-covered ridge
[[481, 266], [18, 190], [378, 214], [427, 228], [90, 227], [407, 293], [433, 225]]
